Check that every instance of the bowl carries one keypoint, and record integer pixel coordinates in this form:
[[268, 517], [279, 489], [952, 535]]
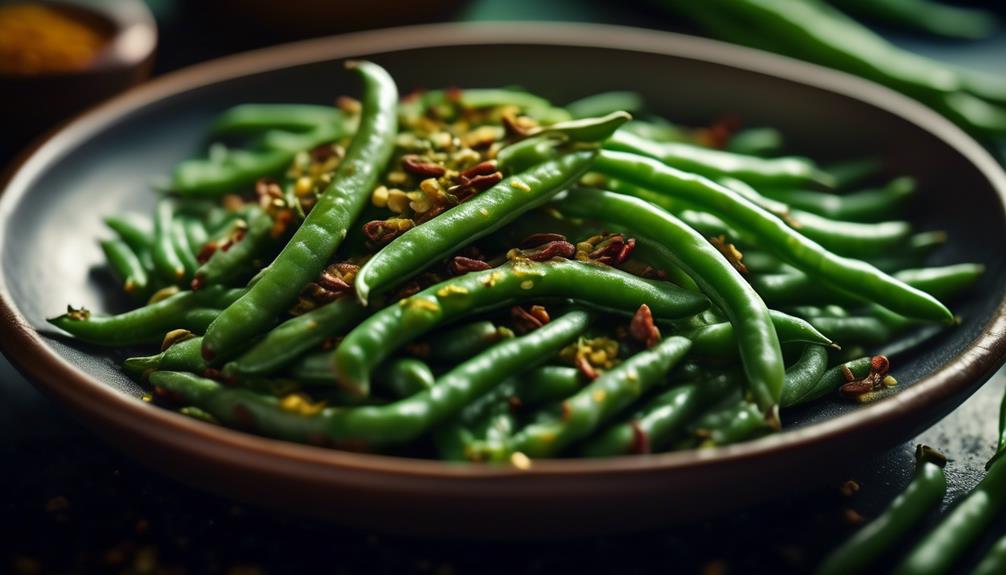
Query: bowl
[[103, 162], [34, 102]]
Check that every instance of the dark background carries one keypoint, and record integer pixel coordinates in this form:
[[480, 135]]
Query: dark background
[[70, 504]]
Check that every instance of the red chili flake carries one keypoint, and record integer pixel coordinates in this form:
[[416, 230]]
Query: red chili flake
[[480, 169], [267, 190], [461, 265], [550, 250], [379, 232], [453, 94], [197, 282], [281, 221], [640, 441], [858, 389], [541, 238], [206, 252], [613, 251], [319, 154], [470, 186], [719, 133], [583, 364], [213, 373], [529, 320], [415, 165], [642, 327]]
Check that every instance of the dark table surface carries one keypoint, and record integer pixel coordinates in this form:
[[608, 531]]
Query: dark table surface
[[69, 503]]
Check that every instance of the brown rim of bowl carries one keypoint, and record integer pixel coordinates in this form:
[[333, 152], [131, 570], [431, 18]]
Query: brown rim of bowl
[[59, 378]]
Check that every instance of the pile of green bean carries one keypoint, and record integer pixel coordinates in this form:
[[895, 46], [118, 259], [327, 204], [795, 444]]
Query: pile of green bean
[[481, 275], [825, 32]]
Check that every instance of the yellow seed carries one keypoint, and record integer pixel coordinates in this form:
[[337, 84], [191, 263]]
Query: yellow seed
[[490, 280], [599, 396], [520, 461], [431, 187], [451, 290], [397, 178], [889, 381], [484, 212], [526, 284], [300, 403], [520, 185], [303, 186], [380, 197], [398, 201], [420, 303], [598, 357]]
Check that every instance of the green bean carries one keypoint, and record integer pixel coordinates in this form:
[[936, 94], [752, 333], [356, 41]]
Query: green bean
[[181, 356], [238, 260], [888, 531], [660, 258], [377, 426], [753, 328], [942, 547], [584, 130], [252, 118], [756, 142], [863, 330], [316, 240], [994, 562], [829, 382], [448, 232], [390, 328], [736, 422], [598, 402], [804, 374], [166, 259], [656, 129], [137, 235], [853, 172], [180, 238], [717, 163], [944, 281], [925, 15], [462, 342], [196, 234], [868, 206], [147, 324], [606, 103], [198, 319], [404, 376], [288, 340], [127, 266], [718, 341], [852, 275], [653, 427]]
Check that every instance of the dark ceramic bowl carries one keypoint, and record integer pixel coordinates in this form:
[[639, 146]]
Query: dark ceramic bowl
[[50, 217]]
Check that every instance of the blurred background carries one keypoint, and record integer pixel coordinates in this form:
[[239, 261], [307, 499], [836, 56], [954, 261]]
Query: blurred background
[[72, 505]]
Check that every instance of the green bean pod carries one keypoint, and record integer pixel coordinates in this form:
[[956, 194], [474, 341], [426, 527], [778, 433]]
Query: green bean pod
[[867, 206], [460, 343], [196, 233], [719, 163], [404, 376], [804, 374], [370, 427], [166, 259], [718, 340], [387, 330], [137, 236], [753, 328], [735, 422], [598, 402], [252, 118], [316, 240], [756, 142], [888, 531], [229, 266], [127, 266], [184, 355], [147, 324], [606, 103], [297, 335], [654, 427], [994, 562], [851, 275], [804, 391], [448, 232], [184, 250]]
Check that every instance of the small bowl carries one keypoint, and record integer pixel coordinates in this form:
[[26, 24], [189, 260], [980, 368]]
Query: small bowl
[[51, 214], [36, 102]]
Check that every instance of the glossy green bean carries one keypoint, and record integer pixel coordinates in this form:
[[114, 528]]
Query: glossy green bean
[[387, 330], [994, 562], [718, 340], [888, 531], [196, 233], [925, 15], [138, 236], [448, 232], [718, 163], [753, 328], [127, 266], [297, 335], [184, 250], [584, 130], [372, 427], [803, 375], [315, 241], [606, 103], [756, 142], [166, 259], [736, 421], [852, 275], [253, 118], [584, 413], [829, 382], [873, 205], [147, 324], [238, 261], [461, 342], [655, 426], [181, 356]]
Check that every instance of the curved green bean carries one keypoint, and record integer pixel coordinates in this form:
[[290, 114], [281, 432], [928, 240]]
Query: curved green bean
[[868, 206], [803, 375], [127, 266], [252, 118], [829, 382]]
